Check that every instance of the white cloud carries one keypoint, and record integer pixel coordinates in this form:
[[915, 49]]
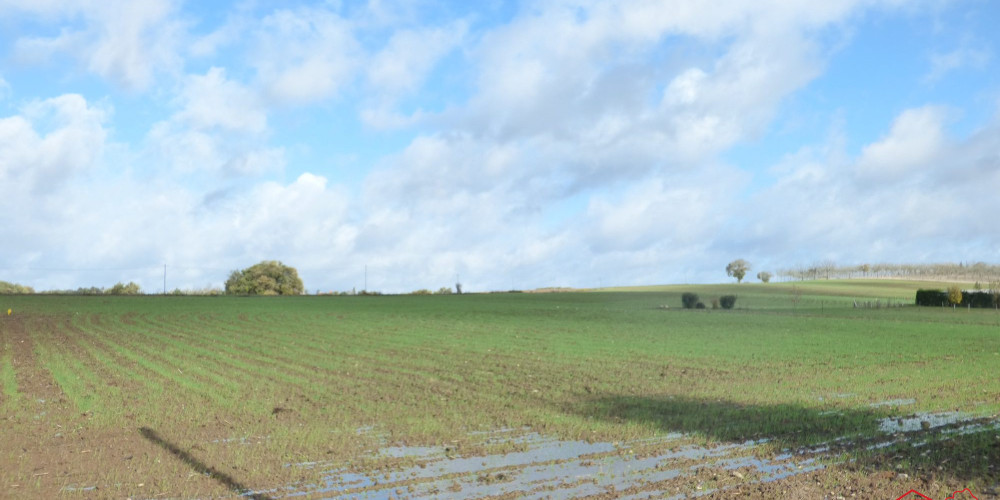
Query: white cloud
[[126, 42], [409, 55], [567, 109], [49, 143], [685, 212], [915, 140], [238, 22], [183, 150], [594, 76], [305, 55], [915, 195], [583, 139], [255, 162], [220, 126], [383, 117], [4, 89], [134, 225], [135, 40], [212, 101], [944, 63], [401, 68], [302, 218]]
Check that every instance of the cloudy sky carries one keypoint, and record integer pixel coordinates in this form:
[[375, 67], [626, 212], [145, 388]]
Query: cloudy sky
[[502, 144]]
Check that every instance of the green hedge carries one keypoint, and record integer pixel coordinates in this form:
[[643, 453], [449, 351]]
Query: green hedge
[[978, 299], [935, 298], [938, 298]]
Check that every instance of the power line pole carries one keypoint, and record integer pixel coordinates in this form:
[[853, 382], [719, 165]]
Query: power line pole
[[366, 277], [164, 279]]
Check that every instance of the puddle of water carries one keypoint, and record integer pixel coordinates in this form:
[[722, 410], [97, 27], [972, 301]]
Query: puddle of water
[[548, 467], [925, 421], [975, 427], [71, 488]]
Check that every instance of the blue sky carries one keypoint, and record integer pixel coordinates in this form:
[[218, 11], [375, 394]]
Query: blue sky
[[505, 144]]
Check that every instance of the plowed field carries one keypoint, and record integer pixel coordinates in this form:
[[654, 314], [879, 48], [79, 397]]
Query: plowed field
[[608, 395]]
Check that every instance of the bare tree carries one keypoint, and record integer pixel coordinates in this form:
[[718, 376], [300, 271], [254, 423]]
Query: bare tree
[[825, 268]]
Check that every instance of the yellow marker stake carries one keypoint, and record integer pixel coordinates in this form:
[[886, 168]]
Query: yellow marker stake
[[9, 311]]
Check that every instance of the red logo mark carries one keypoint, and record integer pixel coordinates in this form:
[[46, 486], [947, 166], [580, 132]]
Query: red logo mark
[[954, 496], [916, 495]]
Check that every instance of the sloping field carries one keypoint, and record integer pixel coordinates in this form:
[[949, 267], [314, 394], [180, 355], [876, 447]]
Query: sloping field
[[607, 394]]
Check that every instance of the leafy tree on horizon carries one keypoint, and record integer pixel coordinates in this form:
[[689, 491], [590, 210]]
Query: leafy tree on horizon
[[269, 277], [764, 276], [954, 295], [738, 269]]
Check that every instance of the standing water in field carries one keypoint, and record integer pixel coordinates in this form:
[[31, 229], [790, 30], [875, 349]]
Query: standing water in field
[[670, 466], [546, 466]]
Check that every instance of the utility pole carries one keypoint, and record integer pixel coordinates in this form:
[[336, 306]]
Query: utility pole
[[366, 278], [164, 279]]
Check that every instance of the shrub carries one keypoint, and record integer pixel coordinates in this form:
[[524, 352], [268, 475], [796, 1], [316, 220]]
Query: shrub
[[727, 301], [422, 291], [689, 300], [700, 305]]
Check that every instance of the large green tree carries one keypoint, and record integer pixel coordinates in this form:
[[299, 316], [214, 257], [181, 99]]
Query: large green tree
[[738, 269], [269, 277]]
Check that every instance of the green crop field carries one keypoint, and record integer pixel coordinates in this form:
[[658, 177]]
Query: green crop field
[[207, 397]]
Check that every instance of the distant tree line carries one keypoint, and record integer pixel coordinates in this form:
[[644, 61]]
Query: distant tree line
[[130, 288], [441, 291], [207, 291], [14, 289], [978, 271]]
